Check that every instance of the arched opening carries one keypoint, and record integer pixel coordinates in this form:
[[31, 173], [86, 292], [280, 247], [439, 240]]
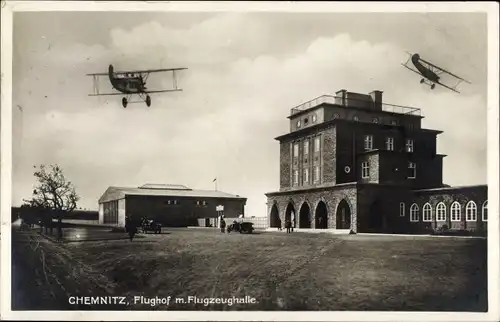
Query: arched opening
[[275, 217], [343, 215], [321, 216], [290, 214], [305, 216]]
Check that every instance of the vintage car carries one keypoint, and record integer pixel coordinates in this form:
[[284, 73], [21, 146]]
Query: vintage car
[[242, 228]]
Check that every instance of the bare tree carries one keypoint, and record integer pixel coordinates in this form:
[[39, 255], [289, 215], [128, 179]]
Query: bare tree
[[53, 195]]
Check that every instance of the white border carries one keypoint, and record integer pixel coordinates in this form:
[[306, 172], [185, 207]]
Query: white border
[[493, 160]]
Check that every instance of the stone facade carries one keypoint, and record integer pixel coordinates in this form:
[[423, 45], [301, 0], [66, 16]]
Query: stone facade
[[356, 162]]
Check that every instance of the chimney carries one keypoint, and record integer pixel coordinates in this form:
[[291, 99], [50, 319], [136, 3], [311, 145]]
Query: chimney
[[340, 97], [376, 97]]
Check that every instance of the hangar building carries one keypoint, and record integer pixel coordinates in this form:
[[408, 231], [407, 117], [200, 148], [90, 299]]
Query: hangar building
[[352, 162], [171, 205]]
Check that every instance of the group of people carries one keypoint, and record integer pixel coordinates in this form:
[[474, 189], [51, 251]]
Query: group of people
[[223, 225]]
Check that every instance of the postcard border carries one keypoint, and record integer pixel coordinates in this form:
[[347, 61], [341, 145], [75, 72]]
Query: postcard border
[[8, 8]]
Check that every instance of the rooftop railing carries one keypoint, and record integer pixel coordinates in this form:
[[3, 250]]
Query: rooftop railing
[[354, 102]]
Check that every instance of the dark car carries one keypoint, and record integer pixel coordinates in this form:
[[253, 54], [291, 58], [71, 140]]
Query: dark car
[[242, 228]]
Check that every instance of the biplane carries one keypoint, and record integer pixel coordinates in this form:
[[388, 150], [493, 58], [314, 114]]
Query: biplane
[[431, 73], [130, 83]]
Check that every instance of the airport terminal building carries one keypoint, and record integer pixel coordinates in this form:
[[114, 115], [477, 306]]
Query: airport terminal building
[[352, 162], [171, 205]]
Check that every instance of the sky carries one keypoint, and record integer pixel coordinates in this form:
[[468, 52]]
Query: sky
[[245, 72]]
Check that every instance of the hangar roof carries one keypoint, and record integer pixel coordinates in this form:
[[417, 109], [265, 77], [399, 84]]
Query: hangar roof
[[116, 193]]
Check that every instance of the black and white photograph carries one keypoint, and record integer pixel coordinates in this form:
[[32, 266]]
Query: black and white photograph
[[249, 161]]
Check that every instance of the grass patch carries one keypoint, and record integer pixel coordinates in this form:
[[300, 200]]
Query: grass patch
[[291, 271]]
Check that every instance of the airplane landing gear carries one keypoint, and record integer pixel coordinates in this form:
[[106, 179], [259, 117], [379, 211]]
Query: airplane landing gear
[[148, 101], [422, 81], [124, 102], [433, 85]]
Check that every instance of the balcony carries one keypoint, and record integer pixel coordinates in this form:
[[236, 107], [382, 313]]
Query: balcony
[[367, 104]]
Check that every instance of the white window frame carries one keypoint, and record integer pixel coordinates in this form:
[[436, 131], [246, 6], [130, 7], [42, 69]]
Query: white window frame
[[316, 174], [389, 143], [412, 165], [368, 142], [441, 212], [317, 143], [484, 208], [409, 145], [298, 123], [471, 211], [455, 216], [427, 212], [295, 177], [401, 209], [414, 213], [306, 175], [365, 170], [306, 147]]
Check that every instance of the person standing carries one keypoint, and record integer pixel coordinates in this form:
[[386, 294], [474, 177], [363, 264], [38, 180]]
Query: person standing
[[222, 225]]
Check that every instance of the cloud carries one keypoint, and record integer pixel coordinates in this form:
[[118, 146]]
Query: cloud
[[235, 101]]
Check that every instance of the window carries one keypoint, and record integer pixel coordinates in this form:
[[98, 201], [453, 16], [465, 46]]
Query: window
[[306, 175], [306, 121], [368, 142], [441, 212], [455, 211], [394, 122], [401, 209], [306, 147], [365, 170], [427, 212], [298, 123], [471, 211], [198, 203], [296, 150], [169, 202], [355, 118], [409, 145], [204, 203], [410, 126], [295, 177], [389, 144], [485, 211], [336, 115], [375, 120], [412, 170], [314, 118], [316, 144], [414, 213], [316, 174]]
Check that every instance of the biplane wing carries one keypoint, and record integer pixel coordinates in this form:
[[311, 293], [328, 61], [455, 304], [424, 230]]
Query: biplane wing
[[442, 70], [145, 92], [411, 69], [147, 71], [448, 87]]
